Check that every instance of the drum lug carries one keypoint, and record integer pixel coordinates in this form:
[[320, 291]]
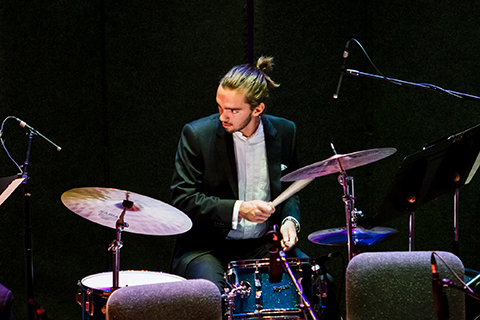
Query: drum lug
[[258, 300], [258, 291], [89, 305], [79, 298]]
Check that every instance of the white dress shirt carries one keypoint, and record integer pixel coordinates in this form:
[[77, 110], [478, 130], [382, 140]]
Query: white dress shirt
[[253, 181]]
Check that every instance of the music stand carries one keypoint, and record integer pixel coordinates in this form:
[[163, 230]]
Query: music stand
[[442, 167], [8, 185]]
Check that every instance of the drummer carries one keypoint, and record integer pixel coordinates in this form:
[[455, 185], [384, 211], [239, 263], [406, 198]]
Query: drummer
[[227, 171]]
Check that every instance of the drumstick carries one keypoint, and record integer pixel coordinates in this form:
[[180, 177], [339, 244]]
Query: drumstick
[[290, 191]]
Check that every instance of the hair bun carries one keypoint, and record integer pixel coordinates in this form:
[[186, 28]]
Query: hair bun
[[265, 64]]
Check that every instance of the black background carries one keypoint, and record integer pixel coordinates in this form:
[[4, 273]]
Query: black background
[[113, 83]]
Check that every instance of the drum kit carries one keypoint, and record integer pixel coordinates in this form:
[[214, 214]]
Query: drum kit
[[247, 279]]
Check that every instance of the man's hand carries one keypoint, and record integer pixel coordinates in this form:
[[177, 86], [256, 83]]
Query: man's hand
[[255, 211], [289, 233]]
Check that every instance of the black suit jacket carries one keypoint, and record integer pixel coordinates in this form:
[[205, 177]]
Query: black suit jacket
[[205, 187]]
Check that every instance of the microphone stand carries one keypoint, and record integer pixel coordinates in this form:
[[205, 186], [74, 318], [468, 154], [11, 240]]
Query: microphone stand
[[413, 84], [28, 230], [28, 223], [294, 280]]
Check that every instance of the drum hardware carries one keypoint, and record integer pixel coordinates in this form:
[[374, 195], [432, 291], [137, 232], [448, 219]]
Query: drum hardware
[[275, 269], [241, 290], [319, 286], [352, 235], [258, 291]]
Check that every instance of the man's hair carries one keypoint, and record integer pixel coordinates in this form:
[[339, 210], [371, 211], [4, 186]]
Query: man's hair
[[252, 80]]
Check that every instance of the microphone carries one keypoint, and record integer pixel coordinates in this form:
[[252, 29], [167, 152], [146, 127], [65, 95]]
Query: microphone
[[23, 124], [342, 69], [275, 269], [439, 295]]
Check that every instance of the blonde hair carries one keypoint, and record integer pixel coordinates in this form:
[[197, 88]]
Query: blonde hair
[[252, 80]]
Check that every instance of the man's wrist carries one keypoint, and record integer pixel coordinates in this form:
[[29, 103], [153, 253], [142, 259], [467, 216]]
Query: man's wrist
[[295, 222]]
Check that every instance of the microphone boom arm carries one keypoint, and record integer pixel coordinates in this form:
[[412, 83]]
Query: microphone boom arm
[[413, 84]]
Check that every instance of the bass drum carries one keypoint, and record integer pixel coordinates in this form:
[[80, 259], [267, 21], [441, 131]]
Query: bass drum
[[95, 289]]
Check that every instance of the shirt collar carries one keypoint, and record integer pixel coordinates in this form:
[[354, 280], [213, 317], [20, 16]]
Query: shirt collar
[[256, 137]]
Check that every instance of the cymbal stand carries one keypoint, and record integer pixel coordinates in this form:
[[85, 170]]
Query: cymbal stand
[[117, 244], [350, 210], [294, 280]]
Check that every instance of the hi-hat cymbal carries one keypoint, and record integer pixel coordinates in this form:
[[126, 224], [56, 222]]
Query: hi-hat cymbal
[[331, 165], [147, 215], [360, 236]]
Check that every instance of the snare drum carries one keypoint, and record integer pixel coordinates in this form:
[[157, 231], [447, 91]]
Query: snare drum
[[260, 298], [94, 290]]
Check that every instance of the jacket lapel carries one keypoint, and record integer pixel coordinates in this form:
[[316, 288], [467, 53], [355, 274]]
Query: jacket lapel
[[274, 149], [225, 148]]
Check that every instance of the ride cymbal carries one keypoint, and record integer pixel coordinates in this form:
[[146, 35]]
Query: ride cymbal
[[332, 164], [147, 215]]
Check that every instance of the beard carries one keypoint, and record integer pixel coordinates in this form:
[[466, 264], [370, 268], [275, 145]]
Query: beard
[[242, 126]]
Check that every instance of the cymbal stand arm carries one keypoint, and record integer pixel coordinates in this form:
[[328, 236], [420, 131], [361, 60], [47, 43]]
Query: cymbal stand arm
[[294, 280]]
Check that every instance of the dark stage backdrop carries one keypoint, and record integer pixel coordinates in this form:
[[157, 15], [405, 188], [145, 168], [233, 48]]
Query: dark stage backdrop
[[113, 82]]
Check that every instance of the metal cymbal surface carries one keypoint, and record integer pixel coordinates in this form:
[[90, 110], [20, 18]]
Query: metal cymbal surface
[[331, 165], [360, 236], [147, 215]]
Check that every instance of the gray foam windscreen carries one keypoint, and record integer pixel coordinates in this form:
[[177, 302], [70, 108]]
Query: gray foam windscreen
[[192, 299], [398, 285]]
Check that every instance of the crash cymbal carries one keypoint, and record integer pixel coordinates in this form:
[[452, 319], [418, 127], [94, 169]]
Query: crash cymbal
[[360, 236], [147, 215], [331, 165]]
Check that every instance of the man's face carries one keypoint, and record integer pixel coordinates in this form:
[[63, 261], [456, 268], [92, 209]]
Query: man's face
[[235, 112]]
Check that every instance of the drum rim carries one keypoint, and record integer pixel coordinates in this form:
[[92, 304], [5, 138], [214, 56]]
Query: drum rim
[[271, 314], [265, 262], [82, 284]]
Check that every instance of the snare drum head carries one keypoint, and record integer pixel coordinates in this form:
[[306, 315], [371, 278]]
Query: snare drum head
[[104, 281]]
